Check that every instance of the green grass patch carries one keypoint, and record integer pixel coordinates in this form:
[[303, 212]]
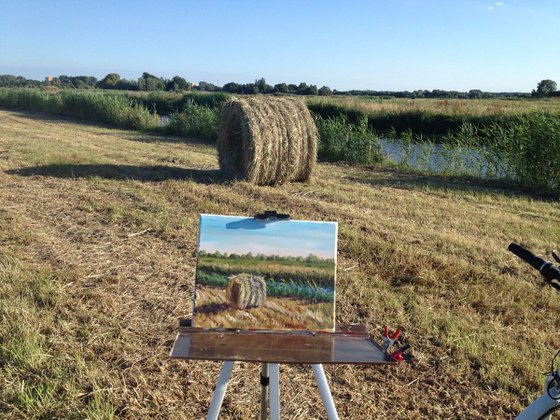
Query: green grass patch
[[37, 378]]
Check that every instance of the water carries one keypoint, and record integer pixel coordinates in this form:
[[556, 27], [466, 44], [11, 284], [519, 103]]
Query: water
[[164, 120], [437, 158]]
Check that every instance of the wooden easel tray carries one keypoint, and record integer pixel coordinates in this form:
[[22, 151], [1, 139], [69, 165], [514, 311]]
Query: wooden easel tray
[[349, 344]]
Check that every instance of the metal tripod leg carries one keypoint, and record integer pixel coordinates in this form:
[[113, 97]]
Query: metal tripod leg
[[265, 381], [274, 391], [325, 391], [219, 392]]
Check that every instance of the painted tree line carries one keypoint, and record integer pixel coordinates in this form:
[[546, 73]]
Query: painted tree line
[[262, 257]]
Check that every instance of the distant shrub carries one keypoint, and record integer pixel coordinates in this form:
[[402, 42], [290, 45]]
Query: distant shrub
[[341, 141], [195, 121]]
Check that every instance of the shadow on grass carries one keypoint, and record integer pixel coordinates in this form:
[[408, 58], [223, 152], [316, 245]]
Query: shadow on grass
[[447, 183], [122, 172]]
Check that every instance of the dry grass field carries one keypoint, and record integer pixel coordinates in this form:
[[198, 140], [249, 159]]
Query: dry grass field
[[98, 234]]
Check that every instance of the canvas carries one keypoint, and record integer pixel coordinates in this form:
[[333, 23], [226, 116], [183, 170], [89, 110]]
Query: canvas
[[265, 274]]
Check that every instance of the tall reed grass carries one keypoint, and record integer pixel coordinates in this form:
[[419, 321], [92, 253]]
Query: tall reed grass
[[525, 149], [341, 141], [461, 154], [429, 117], [113, 110], [195, 121], [167, 103], [530, 146]]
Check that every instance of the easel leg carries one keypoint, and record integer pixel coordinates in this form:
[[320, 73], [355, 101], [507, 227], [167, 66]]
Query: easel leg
[[274, 391], [220, 391], [265, 381], [325, 391]]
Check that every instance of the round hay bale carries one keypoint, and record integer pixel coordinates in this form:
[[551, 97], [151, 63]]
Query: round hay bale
[[246, 291], [267, 141]]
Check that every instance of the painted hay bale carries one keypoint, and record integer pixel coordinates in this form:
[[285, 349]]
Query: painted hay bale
[[267, 141], [246, 291]]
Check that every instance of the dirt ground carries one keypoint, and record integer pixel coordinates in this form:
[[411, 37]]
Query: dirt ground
[[114, 214]]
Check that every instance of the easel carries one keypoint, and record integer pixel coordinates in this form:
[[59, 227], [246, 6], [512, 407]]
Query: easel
[[348, 344]]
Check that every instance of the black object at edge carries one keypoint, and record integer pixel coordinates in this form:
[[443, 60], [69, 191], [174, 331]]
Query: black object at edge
[[271, 214], [185, 322]]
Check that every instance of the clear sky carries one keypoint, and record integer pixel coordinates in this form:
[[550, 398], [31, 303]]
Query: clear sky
[[508, 45], [240, 235]]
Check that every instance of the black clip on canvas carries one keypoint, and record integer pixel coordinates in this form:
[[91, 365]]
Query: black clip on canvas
[[272, 214]]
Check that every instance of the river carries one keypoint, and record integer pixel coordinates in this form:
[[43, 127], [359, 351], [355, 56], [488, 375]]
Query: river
[[437, 158]]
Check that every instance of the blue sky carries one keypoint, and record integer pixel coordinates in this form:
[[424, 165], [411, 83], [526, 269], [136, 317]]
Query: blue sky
[[381, 45], [240, 235]]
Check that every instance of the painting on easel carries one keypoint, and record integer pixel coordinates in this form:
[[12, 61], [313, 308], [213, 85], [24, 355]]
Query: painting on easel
[[265, 274]]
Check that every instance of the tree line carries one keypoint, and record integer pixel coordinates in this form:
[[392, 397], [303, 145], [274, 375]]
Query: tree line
[[149, 82], [311, 258]]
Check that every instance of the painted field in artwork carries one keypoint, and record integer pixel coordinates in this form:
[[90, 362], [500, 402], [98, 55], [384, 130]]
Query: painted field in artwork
[[274, 275]]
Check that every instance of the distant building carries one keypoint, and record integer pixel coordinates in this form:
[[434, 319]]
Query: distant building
[[49, 79]]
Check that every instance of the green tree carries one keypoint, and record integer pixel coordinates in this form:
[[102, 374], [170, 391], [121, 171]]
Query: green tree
[[208, 87], [109, 82], [176, 84], [231, 87], [281, 88], [311, 90], [261, 85], [125, 84], [325, 91], [150, 82], [546, 88], [292, 88], [302, 88], [475, 94]]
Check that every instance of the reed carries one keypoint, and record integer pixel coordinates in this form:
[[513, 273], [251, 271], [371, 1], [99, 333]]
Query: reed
[[113, 110], [340, 140], [428, 117]]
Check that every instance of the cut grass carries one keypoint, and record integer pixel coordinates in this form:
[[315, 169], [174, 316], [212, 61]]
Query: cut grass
[[424, 253], [40, 377]]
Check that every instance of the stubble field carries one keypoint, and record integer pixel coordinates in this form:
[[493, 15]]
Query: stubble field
[[98, 234]]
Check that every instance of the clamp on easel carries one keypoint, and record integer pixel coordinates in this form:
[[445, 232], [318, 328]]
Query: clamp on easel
[[399, 355], [271, 215]]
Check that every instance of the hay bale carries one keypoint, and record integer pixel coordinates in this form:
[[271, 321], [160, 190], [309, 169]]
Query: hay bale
[[267, 141], [246, 291]]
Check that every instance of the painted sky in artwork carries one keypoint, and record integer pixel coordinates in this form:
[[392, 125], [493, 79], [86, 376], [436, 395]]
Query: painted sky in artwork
[[241, 235]]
